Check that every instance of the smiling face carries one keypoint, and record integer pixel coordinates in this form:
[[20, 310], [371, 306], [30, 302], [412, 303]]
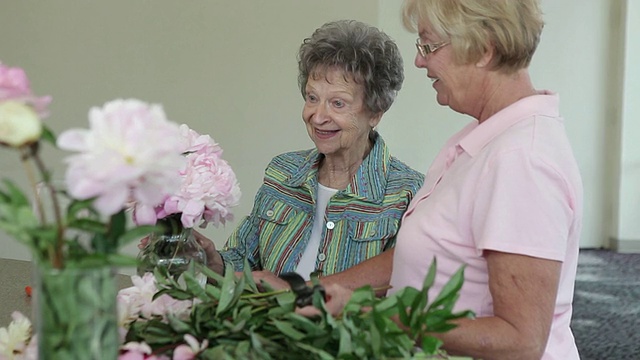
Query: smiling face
[[335, 115], [458, 86]]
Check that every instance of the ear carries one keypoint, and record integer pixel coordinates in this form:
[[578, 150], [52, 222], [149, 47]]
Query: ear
[[486, 58], [375, 119]]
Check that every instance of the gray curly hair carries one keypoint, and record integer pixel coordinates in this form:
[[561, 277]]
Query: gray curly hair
[[361, 51]]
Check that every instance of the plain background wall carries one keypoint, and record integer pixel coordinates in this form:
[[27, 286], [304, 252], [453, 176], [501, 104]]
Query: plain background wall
[[228, 68]]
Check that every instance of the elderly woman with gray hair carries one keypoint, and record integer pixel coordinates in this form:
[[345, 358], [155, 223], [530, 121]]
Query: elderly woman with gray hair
[[337, 206]]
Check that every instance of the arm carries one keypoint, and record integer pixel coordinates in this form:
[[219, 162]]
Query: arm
[[375, 271], [238, 248], [524, 292]]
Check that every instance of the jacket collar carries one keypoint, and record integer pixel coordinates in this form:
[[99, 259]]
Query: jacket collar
[[369, 182]]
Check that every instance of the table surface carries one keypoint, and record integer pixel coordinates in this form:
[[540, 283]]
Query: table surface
[[15, 275]]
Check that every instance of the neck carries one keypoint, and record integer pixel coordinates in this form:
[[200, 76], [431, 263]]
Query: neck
[[504, 90], [336, 171]]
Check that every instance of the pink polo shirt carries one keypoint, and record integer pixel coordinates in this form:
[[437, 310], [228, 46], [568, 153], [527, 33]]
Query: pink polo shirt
[[510, 184]]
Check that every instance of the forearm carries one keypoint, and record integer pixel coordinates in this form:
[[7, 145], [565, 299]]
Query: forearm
[[491, 338], [524, 291], [216, 263], [375, 271]]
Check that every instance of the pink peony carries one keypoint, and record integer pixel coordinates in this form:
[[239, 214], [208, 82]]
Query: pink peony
[[130, 152], [138, 351], [191, 349], [209, 186], [14, 85]]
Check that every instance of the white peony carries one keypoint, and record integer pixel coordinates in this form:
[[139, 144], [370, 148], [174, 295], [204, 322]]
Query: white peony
[[15, 338]]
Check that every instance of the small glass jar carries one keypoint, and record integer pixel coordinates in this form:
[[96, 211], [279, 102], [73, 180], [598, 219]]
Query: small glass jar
[[174, 250]]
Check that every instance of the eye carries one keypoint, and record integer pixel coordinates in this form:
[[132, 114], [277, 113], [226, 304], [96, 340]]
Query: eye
[[338, 103], [311, 98]]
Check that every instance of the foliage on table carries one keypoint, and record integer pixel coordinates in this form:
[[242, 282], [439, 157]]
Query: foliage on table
[[232, 319]]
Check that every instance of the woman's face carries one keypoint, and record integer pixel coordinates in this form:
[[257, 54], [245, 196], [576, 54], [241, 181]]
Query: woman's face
[[457, 86], [337, 120]]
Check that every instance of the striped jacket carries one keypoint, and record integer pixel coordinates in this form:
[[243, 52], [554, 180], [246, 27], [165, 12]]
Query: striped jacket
[[361, 221]]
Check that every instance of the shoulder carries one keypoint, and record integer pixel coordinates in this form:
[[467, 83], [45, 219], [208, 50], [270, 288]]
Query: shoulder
[[289, 162], [402, 175]]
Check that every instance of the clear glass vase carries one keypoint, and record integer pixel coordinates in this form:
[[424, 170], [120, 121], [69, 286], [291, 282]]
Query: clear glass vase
[[175, 251], [76, 314]]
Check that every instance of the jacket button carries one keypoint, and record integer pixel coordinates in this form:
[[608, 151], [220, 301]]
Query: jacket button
[[330, 225], [269, 213], [322, 257]]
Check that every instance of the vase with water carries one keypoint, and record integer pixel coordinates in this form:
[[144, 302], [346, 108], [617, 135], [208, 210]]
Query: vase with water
[[174, 248]]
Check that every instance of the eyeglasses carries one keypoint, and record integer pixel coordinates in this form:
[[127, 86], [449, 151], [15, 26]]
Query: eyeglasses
[[425, 49]]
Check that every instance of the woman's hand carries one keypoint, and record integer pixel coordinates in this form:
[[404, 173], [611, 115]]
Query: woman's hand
[[214, 260], [336, 298], [270, 278]]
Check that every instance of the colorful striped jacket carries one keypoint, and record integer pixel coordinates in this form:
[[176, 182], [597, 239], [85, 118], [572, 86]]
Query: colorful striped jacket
[[361, 221]]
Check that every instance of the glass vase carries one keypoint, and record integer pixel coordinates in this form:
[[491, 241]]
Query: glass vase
[[174, 251], [76, 314]]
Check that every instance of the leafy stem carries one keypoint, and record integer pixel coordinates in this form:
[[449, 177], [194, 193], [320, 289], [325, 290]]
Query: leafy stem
[[30, 152]]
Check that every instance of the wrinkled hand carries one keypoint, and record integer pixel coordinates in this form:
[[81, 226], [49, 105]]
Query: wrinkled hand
[[270, 278], [207, 245], [337, 297]]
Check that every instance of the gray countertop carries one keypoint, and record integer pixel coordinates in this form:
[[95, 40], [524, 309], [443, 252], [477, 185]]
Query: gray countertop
[[15, 275]]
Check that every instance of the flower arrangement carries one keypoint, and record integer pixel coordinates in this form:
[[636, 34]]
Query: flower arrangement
[[127, 137], [131, 155], [208, 190]]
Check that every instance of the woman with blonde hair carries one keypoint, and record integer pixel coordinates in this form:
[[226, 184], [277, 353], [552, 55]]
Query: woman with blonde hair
[[504, 195]]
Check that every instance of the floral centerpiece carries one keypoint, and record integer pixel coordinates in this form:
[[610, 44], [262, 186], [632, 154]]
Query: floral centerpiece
[[131, 154], [207, 192]]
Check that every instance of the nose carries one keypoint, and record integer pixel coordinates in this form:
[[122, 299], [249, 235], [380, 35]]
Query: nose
[[420, 61], [320, 114]]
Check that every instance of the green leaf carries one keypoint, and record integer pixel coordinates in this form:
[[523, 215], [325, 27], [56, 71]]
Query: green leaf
[[15, 194], [227, 292], [48, 135], [178, 325], [289, 330], [430, 344], [194, 286], [136, 233], [88, 225], [80, 209], [119, 260], [448, 294], [117, 227]]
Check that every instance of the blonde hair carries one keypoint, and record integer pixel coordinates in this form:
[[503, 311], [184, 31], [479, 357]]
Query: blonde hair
[[511, 27]]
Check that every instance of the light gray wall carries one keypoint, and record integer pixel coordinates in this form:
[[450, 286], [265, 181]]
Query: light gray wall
[[228, 68], [627, 233]]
